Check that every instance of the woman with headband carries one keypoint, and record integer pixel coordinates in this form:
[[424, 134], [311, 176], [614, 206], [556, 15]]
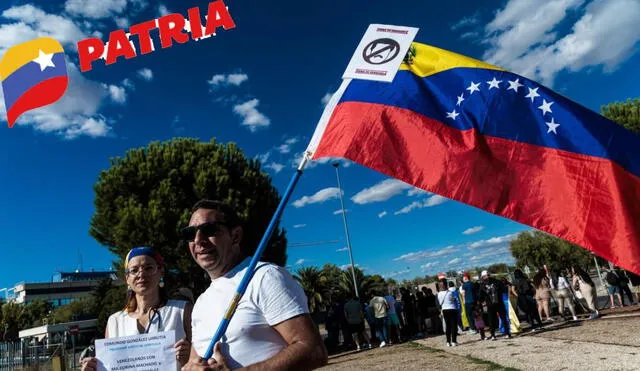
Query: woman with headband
[[147, 308]]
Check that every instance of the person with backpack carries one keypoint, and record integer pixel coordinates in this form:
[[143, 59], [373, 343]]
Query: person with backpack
[[613, 286], [562, 293], [524, 292], [490, 292]]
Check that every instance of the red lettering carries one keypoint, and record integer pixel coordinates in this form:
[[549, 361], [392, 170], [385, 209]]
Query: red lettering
[[144, 38], [171, 27], [194, 22], [89, 50], [217, 16], [119, 45]]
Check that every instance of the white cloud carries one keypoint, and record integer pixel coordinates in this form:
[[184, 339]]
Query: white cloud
[[251, 117], [524, 37], [344, 267], [339, 211], [95, 9], [427, 202], [467, 22], [417, 191], [263, 157], [299, 225], [162, 10], [343, 249], [117, 93], [285, 147], [473, 230], [276, 167], [426, 254], [230, 79], [397, 273], [429, 265], [32, 23], [382, 191], [325, 99], [454, 261], [128, 84], [382, 214], [301, 261], [122, 22], [319, 197], [146, 74], [493, 241]]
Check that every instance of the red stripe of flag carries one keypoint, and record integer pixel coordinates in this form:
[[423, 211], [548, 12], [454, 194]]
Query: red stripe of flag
[[552, 190], [39, 95]]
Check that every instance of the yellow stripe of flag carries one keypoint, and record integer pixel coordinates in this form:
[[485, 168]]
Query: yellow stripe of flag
[[430, 60], [21, 54]]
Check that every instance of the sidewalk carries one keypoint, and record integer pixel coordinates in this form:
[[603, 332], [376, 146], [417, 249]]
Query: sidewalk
[[609, 343]]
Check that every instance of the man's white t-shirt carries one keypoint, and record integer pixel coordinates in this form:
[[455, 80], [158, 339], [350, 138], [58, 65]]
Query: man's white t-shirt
[[272, 297]]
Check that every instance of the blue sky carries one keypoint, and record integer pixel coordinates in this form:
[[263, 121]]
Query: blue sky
[[263, 85]]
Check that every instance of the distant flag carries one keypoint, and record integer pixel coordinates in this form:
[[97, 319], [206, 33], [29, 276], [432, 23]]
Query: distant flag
[[33, 74], [487, 137]]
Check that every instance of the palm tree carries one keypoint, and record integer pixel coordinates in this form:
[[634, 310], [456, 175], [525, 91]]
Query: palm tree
[[314, 284]]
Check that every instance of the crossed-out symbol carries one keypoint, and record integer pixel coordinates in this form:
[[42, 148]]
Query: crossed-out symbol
[[381, 51]]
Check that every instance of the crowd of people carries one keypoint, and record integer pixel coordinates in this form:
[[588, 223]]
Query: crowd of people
[[488, 306]]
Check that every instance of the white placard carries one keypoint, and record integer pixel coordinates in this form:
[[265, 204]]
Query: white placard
[[380, 52], [146, 352]]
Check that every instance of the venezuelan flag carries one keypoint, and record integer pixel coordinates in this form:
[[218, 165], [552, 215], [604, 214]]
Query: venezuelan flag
[[492, 139], [33, 74]]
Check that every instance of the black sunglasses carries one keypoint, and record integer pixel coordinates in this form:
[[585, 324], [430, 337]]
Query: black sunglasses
[[208, 229]]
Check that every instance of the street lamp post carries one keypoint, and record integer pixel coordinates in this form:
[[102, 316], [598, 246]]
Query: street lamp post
[[346, 231]]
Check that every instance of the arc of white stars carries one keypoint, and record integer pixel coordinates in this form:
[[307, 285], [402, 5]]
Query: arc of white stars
[[552, 126], [494, 83], [453, 114], [460, 99], [514, 85], [473, 87], [545, 107]]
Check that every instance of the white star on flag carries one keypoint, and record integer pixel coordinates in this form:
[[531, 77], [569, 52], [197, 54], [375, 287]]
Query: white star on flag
[[44, 60], [552, 126], [532, 94], [515, 85], [473, 87], [494, 83], [545, 107], [460, 99], [453, 114]]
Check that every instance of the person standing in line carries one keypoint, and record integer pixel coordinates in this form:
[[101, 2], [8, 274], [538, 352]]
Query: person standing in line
[[469, 294], [380, 309], [491, 291], [612, 281], [582, 282], [448, 303], [524, 292], [393, 320], [561, 291], [543, 293], [355, 321], [624, 285]]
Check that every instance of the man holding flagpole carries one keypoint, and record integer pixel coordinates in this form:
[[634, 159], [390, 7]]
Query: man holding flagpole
[[271, 328]]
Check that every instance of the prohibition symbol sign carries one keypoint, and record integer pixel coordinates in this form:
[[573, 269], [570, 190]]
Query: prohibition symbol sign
[[381, 51]]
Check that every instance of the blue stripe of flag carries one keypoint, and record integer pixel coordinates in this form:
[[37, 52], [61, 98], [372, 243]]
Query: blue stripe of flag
[[504, 113]]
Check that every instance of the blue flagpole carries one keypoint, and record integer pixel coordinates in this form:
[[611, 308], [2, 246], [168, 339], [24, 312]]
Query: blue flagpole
[[242, 287]]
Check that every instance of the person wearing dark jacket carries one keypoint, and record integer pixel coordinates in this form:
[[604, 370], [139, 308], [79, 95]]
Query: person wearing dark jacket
[[491, 291], [525, 292]]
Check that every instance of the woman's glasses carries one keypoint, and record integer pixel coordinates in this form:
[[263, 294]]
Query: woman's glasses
[[208, 229], [146, 269]]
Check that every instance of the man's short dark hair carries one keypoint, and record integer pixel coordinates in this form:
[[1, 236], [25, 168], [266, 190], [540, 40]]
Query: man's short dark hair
[[222, 209]]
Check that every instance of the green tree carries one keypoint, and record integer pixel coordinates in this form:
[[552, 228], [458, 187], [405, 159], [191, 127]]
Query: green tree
[[144, 199], [367, 285], [534, 249], [626, 113], [334, 289], [314, 284], [113, 301]]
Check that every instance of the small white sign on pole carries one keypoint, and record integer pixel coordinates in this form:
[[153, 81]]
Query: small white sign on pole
[[380, 52]]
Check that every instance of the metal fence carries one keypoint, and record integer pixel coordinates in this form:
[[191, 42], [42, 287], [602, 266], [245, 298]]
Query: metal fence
[[19, 356]]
